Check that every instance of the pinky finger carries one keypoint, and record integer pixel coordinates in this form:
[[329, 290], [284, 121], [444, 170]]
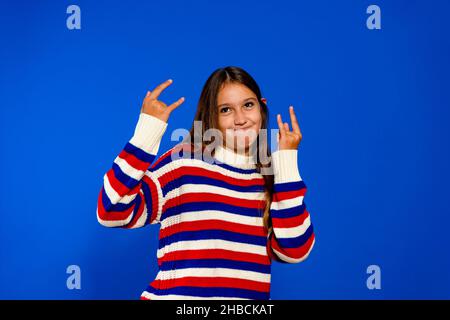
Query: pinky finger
[[176, 104]]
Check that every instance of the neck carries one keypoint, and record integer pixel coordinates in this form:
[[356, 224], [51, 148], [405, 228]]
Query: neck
[[239, 151], [239, 158]]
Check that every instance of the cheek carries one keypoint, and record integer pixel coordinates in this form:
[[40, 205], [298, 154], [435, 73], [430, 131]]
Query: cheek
[[223, 124], [257, 119]]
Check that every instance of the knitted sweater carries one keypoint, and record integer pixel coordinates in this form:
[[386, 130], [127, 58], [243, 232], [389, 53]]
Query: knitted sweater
[[212, 242]]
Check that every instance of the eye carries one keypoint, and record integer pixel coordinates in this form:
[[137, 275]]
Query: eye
[[224, 108], [248, 105]]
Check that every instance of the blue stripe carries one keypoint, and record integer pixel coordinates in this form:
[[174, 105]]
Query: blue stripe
[[125, 179], [216, 263], [171, 185], [148, 200], [137, 203], [139, 153], [289, 186], [203, 206], [211, 292], [181, 154], [234, 169], [161, 163], [298, 241], [114, 207], [289, 212], [212, 235], [190, 179]]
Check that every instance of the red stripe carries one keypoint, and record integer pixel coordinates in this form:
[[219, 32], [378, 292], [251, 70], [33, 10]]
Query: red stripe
[[209, 282], [214, 254], [212, 197], [290, 222], [285, 195], [295, 253], [161, 158], [153, 211], [111, 215], [133, 161], [201, 172], [211, 225], [169, 153], [119, 188], [270, 253], [139, 214]]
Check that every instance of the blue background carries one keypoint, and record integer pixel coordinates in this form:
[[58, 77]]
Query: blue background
[[373, 106]]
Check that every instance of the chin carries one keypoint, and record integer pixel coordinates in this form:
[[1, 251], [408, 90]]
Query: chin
[[239, 140], [248, 143]]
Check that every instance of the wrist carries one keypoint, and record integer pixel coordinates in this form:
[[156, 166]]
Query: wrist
[[285, 166], [148, 133]]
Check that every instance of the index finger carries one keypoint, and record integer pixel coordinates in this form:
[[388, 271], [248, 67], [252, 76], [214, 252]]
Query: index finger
[[280, 124], [155, 93]]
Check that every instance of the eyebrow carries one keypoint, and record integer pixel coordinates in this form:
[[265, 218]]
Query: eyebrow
[[224, 104]]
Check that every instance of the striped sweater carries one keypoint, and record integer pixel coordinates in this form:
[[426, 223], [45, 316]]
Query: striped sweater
[[212, 242]]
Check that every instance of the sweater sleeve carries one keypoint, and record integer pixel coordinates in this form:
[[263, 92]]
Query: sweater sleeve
[[292, 237], [131, 195]]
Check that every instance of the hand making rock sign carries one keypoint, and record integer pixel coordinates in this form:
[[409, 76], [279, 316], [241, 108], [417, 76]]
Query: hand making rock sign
[[157, 108], [288, 139]]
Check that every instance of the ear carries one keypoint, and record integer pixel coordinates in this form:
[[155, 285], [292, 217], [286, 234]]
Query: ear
[[264, 100]]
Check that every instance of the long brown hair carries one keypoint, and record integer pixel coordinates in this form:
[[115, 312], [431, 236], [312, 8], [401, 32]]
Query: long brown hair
[[208, 114]]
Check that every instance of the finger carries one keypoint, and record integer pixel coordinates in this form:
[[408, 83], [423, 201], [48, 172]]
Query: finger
[[286, 127], [280, 124], [148, 93], [176, 104], [278, 140], [294, 121], [155, 94]]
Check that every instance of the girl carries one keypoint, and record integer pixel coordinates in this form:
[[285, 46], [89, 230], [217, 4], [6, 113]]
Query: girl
[[224, 212]]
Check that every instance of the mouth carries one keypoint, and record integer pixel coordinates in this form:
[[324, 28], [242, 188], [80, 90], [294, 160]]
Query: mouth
[[247, 133], [242, 129]]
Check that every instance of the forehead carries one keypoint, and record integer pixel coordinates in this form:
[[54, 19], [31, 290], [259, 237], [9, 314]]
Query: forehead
[[234, 93]]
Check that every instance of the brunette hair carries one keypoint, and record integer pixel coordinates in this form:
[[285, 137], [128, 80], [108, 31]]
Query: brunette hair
[[207, 113]]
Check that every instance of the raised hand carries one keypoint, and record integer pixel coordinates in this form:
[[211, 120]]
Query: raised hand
[[157, 108], [288, 139]]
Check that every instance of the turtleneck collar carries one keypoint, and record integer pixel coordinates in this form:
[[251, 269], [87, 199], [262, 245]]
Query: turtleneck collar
[[230, 157]]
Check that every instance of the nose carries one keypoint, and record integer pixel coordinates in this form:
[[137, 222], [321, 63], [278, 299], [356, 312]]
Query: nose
[[239, 119]]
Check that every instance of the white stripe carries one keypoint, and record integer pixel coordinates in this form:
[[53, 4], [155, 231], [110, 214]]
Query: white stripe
[[113, 223], [212, 215], [287, 204], [141, 221], [113, 196], [212, 244], [207, 188], [214, 272], [128, 169], [152, 296], [294, 231], [292, 260]]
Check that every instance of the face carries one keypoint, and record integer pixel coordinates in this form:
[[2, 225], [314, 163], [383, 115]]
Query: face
[[239, 116]]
